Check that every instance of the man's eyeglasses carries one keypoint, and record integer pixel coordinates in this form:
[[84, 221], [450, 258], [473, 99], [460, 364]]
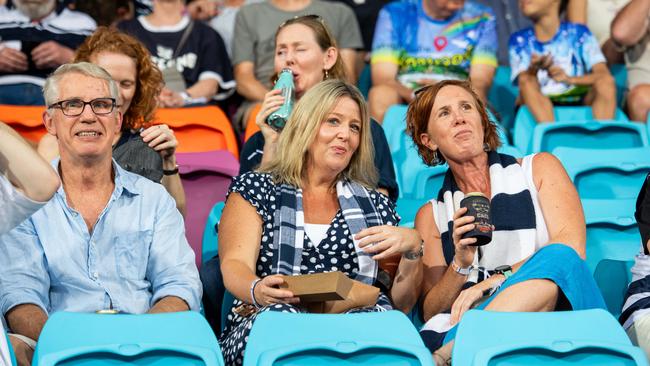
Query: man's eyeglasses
[[75, 107]]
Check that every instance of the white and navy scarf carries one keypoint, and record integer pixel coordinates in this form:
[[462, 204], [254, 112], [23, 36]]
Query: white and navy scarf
[[289, 227], [511, 209]]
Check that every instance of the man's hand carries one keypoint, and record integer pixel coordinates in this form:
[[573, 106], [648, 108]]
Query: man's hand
[[23, 352], [51, 54], [558, 74], [539, 62], [170, 99], [203, 9], [12, 60]]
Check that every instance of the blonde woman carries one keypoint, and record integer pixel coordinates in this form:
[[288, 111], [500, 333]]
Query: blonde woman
[[292, 217]]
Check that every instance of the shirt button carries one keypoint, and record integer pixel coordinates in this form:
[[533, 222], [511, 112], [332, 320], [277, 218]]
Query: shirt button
[[95, 275]]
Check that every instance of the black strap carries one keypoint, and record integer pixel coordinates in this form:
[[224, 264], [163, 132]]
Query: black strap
[[184, 38]]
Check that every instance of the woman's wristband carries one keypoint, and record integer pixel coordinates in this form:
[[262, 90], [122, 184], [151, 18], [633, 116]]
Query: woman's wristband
[[460, 270], [253, 284]]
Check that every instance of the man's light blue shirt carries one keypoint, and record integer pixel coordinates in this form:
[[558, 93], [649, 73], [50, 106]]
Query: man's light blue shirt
[[136, 254]]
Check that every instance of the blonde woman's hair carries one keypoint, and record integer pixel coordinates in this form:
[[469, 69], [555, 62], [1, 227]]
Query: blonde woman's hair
[[290, 161]]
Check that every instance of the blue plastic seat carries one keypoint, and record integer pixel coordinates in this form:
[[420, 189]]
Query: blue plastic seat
[[606, 174], [612, 242], [502, 96], [586, 337], [407, 208], [386, 338], [210, 241], [88, 339], [525, 124], [619, 72]]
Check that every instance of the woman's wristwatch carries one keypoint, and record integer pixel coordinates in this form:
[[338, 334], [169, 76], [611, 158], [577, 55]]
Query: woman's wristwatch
[[415, 255], [171, 172]]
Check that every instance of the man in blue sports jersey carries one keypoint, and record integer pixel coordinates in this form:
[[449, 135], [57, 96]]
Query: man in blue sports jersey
[[420, 42]]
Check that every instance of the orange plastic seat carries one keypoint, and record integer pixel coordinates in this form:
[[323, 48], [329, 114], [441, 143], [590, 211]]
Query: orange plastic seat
[[26, 120], [251, 127], [200, 129]]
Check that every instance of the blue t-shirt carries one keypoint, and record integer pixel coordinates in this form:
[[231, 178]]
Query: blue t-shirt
[[425, 48], [573, 48]]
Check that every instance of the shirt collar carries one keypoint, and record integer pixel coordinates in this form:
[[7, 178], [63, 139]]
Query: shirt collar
[[123, 180]]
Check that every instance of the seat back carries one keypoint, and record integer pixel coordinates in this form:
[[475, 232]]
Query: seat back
[[606, 174], [589, 135], [200, 129], [181, 338], [502, 97], [612, 242], [26, 120], [585, 337], [525, 124], [251, 126], [206, 177], [210, 242], [380, 338]]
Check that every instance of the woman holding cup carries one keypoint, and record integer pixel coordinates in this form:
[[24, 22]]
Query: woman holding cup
[[534, 261]]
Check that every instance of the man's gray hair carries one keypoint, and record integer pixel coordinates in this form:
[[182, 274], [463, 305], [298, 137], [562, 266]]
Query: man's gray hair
[[51, 87]]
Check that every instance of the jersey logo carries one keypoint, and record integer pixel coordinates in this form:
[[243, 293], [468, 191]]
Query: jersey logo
[[440, 42]]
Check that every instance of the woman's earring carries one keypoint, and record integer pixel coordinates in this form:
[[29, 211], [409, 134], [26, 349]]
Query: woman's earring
[[486, 147], [435, 160], [327, 74]]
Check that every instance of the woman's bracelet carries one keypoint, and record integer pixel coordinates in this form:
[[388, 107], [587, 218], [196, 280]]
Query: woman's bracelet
[[460, 270], [253, 284]]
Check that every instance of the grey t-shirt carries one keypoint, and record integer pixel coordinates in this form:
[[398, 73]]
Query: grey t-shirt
[[256, 24]]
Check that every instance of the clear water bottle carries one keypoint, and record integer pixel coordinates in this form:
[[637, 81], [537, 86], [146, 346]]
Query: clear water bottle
[[279, 118]]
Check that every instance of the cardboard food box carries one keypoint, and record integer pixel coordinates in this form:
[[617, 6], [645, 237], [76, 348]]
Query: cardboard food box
[[319, 286]]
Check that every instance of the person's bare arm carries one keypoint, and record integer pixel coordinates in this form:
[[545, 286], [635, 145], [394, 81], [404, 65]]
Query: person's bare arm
[[247, 85], [385, 73], [349, 58], [631, 23], [576, 11], [24, 168], [440, 284], [27, 320], [169, 304], [481, 77], [598, 71], [206, 88], [560, 203], [238, 250]]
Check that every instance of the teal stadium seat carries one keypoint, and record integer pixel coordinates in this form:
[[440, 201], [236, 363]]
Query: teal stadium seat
[[612, 242], [572, 122], [619, 72], [380, 338], [210, 241], [87, 339], [606, 174], [502, 97], [585, 337]]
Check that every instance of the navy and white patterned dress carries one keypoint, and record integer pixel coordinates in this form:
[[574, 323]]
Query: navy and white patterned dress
[[335, 253]]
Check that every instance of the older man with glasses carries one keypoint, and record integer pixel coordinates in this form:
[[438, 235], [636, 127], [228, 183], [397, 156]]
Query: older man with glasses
[[109, 240]]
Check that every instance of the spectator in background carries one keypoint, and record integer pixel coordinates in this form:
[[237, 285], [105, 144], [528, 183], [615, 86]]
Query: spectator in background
[[140, 147], [191, 55], [600, 14], [36, 37], [631, 30], [558, 62], [253, 43], [109, 239], [224, 21], [420, 43], [27, 182]]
